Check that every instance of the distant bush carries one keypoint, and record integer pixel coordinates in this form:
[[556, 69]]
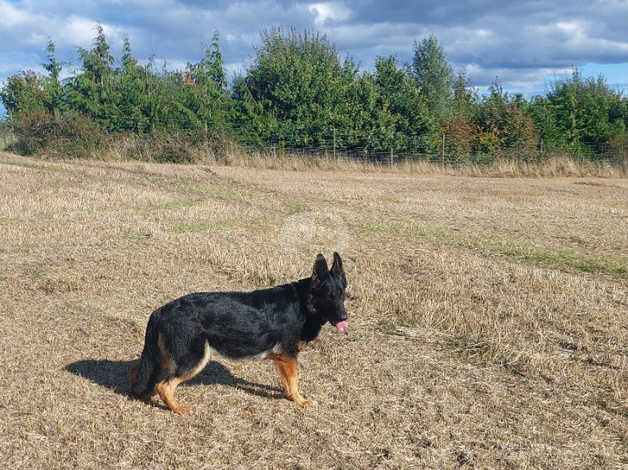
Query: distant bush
[[77, 136], [174, 154], [164, 147], [159, 147], [6, 135], [69, 136]]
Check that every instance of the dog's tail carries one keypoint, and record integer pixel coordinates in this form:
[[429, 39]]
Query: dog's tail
[[143, 375]]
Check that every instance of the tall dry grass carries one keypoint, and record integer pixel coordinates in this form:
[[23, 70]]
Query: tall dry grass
[[553, 166]]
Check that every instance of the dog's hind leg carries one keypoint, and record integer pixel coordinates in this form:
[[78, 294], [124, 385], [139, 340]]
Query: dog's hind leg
[[189, 367], [287, 367], [166, 389]]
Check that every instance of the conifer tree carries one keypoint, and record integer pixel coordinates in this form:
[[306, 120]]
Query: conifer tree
[[52, 84], [434, 75]]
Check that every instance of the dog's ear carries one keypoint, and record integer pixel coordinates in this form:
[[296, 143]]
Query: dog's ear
[[320, 272], [338, 271]]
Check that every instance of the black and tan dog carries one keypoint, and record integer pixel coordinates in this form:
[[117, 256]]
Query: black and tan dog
[[269, 323]]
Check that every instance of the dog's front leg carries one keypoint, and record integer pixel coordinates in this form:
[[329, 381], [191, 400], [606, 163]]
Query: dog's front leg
[[287, 367]]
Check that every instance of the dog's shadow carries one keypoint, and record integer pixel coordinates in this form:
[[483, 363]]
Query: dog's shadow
[[115, 376]]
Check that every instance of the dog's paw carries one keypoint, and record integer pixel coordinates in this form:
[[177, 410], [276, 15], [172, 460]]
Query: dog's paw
[[305, 402], [182, 410]]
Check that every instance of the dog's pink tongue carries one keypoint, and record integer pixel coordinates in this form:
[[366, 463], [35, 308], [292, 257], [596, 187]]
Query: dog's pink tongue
[[342, 326]]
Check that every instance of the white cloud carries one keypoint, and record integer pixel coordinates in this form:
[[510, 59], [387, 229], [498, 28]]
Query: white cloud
[[76, 31], [521, 42], [80, 31], [572, 28], [328, 11], [11, 16]]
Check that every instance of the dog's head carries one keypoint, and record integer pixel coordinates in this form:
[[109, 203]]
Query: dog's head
[[327, 292]]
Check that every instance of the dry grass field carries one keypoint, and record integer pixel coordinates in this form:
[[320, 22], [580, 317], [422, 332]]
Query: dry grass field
[[489, 317]]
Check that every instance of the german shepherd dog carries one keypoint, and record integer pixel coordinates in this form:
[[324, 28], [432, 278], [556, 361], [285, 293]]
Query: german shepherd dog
[[182, 335]]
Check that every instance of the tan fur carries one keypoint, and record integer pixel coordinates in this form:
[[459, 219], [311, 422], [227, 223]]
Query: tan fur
[[287, 367], [166, 388]]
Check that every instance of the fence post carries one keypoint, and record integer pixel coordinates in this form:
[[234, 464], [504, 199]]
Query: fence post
[[442, 152], [334, 143], [391, 156]]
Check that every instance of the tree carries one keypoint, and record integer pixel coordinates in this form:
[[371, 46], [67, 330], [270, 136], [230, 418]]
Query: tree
[[52, 84], [297, 80], [464, 101], [247, 115], [402, 99], [52, 66], [206, 94], [129, 93], [129, 62], [541, 110], [460, 131], [434, 75], [503, 124], [97, 62], [24, 93], [90, 91], [215, 65], [580, 115], [28, 92]]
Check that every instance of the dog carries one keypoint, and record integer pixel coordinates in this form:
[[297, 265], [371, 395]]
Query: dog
[[182, 335]]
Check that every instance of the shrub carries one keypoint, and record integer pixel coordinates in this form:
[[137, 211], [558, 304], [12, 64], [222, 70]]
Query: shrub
[[6, 135], [69, 136], [174, 152]]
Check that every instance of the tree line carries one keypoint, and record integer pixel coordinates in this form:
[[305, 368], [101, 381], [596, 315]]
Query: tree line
[[300, 92]]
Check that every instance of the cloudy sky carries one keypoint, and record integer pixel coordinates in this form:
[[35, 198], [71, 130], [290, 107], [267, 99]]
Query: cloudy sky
[[527, 44]]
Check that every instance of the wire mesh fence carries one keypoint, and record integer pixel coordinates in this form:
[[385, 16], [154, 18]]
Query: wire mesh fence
[[616, 155]]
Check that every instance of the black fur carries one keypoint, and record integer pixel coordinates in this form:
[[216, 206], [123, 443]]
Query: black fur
[[241, 324]]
